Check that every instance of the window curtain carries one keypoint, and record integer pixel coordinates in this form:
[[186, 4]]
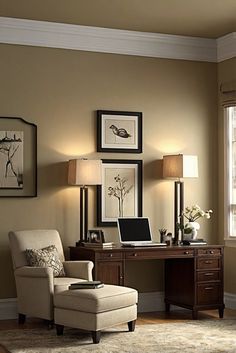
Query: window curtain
[[228, 94]]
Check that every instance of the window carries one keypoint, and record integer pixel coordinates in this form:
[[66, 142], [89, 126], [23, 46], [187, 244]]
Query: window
[[230, 175]]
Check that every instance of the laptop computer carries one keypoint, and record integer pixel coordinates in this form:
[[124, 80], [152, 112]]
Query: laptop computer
[[135, 231]]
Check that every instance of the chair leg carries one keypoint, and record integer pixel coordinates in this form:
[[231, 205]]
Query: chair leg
[[96, 335], [131, 325], [21, 319], [50, 324], [59, 329]]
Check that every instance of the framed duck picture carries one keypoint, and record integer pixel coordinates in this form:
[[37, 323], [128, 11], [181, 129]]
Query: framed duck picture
[[119, 131]]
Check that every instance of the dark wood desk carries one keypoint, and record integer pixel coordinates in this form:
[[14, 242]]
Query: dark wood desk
[[193, 274]]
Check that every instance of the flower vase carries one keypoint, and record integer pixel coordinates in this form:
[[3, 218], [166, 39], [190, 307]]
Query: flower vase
[[194, 226]]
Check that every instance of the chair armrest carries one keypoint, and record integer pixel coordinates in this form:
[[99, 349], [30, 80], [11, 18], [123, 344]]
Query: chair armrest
[[29, 271], [35, 288], [79, 269]]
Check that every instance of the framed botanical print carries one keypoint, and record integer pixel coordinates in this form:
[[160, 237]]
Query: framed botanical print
[[119, 131], [18, 158], [120, 194]]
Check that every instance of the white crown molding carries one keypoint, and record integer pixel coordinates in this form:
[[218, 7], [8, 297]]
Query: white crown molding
[[226, 47], [106, 40]]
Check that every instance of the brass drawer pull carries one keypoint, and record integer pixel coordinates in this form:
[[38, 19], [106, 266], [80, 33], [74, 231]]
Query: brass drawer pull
[[208, 262], [209, 274], [211, 252], [110, 255], [135, 254], [186, 252], [208, 288]]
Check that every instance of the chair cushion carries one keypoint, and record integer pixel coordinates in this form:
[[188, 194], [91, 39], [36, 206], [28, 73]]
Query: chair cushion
[[46, 257], [96, 300]]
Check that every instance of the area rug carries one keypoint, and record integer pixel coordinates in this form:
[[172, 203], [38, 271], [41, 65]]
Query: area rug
[[200, 336]]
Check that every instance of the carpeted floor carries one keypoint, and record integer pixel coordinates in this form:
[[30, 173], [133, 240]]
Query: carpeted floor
[[200, 336]]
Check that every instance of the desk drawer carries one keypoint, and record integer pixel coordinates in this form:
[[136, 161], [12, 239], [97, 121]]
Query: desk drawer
[[208, 293], [208, 263], [109, 255], [158, 254], [206, 276], [209, 252]]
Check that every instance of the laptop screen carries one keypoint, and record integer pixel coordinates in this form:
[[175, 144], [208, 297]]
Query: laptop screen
[[134, 229]]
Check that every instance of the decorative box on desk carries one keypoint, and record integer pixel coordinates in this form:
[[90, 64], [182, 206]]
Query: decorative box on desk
[[193, 274]]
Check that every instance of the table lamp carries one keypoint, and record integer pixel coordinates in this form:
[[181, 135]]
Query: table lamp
[[84, 172], [177, 167]]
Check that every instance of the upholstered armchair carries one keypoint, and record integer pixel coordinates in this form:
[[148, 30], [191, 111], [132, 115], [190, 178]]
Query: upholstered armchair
[[36, 285]]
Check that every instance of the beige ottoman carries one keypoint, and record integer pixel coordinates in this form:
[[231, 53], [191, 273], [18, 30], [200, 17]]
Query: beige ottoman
[[95, 309]]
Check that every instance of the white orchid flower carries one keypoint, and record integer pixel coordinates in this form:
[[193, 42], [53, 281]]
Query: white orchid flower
[[195, 212]]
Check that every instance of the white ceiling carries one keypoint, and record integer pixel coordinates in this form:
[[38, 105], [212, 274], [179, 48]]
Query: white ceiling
[[201, 18]]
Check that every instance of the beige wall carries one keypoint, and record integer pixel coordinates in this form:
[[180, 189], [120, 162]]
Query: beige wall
[[60, 90], [226, 72]]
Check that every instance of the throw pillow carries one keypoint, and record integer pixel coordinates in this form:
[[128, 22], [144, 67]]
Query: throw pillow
[[46, 257]]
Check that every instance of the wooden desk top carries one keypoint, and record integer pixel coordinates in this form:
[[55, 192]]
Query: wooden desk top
[[128, 253], [118, 247]]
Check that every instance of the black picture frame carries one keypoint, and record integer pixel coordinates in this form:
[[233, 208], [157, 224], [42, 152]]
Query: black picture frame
[[119, 131], [121, 173], [18, 160], [95, 236]]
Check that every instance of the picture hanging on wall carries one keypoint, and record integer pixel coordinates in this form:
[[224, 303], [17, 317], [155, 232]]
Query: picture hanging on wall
[[120, 194], [18, 158], [119, 131]]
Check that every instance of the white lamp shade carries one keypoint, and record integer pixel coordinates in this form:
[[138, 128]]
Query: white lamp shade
[[85, 172], [180, 166]]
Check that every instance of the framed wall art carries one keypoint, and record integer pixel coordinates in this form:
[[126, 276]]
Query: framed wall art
[[119, 131], [18, 158], [120, 194]]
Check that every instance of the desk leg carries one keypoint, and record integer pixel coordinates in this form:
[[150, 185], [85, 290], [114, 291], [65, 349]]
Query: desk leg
[[221, 313], [194, 314]]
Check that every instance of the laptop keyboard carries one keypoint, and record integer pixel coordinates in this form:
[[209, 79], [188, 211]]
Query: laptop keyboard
[[144, 244]]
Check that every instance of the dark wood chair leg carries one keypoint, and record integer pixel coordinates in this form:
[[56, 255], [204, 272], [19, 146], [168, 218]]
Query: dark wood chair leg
[[21, 319], [131, 325], [96, 335], [50, 324], [59, 329]]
